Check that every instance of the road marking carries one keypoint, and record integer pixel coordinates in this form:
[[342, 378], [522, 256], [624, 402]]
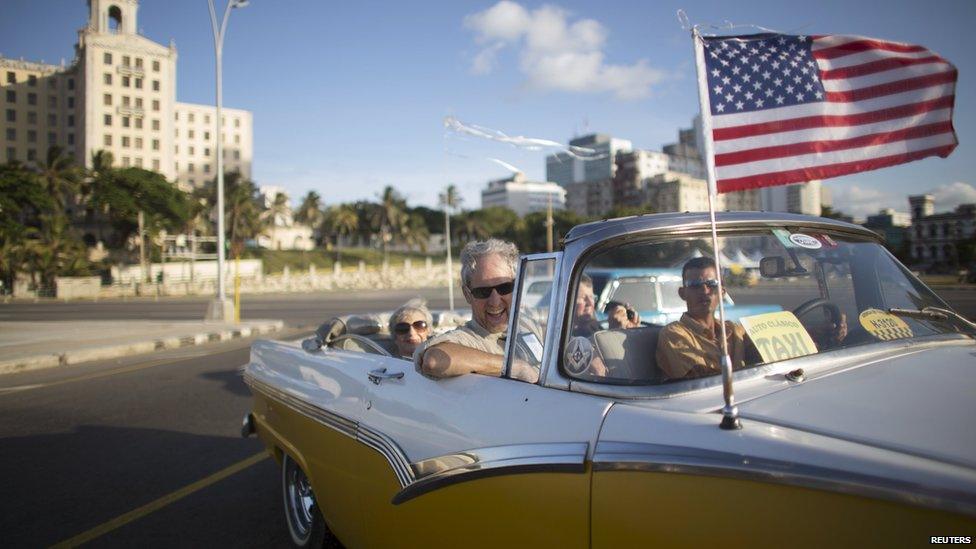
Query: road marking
[[158, 504]]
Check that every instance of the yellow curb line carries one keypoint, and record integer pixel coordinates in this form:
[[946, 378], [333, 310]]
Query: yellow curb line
[[158, 504]]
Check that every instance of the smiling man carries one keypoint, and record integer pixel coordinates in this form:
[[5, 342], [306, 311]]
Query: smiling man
[[487, 280]]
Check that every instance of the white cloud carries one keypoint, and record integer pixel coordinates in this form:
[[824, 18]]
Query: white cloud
[[861, 202], [950, 195], [555, 53]]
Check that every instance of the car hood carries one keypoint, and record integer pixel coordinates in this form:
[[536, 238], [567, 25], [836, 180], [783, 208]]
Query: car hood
[[921, 403]]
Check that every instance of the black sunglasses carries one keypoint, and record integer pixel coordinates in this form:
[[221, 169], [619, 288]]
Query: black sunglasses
[[403, 328], [697, 284], [504, 288]]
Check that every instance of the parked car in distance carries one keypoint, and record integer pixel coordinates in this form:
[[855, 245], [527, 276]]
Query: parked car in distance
[[854, 437]]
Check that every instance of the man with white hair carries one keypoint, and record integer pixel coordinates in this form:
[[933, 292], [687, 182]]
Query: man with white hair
[[487, 280]]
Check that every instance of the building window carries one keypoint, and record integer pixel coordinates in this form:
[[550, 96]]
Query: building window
[[155, 85], [52, 120], [125, 121], [176, 166], [191, 134], [155, 124], [237, 122], [206, 152], [107, 100], [138, 142], [108, 79], [32, 80], [52, 84], [52, 102], [11, 154], [11, 78], [206, 136], [125, 82], [71, 102], [176, 132], [107, 119], [125, 100], [31, 136], [52, 138], [155, 144], [71, 139], [189, 167], [138, 102], [206, 168], [155, 105], [932, 233], [192, 151], [108, 140], [237, 155], [126, 60], [176, 149], [71, 83], [138, 162], [31, 155], [190, 117], [155, 164], [138, 62], [125, 161], [206, 120], [125, 141], [32, 98], [176, 116], [138, 123], [138, 83], [107, 58], [155, 66], [32, 117], [71, 121], [11, 115], [237, 139], [11, 96], [11, 134]]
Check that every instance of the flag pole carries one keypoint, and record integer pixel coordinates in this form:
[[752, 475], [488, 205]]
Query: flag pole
[[730, 413]]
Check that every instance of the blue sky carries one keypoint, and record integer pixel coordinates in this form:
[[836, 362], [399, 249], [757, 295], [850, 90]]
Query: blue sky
[[350, 97]]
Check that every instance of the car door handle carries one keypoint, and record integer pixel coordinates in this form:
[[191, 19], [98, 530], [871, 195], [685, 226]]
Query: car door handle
[[376, 376]]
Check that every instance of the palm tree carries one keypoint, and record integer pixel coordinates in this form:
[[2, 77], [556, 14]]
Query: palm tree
[[59, 175], [342, 221], [310, 211], [243, 211], [390, 215], [276, 214], [451, 201], [414, 232]]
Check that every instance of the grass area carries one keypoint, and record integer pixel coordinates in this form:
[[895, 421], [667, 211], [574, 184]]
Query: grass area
[[275, 261]]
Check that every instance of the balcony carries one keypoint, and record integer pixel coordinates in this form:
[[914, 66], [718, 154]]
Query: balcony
[[126, 110], [127, 70]]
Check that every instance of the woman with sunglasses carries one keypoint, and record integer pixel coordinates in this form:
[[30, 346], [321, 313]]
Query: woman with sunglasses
[[410, 326]]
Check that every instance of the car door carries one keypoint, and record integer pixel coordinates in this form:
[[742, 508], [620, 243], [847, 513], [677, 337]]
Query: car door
[[480, 460]]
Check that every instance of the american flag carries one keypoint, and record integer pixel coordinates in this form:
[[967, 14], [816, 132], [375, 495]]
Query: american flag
[[787, 109]]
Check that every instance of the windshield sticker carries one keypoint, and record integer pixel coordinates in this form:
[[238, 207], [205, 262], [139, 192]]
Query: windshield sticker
[[884, 326], [826, 240], [784, 238], [579, 353], [778, 336], [805, 241]]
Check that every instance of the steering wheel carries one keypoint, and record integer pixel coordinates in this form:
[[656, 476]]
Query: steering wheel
[[832, 309]]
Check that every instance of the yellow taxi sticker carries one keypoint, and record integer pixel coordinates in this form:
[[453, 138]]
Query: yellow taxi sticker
[[884, 326], [778, 336]]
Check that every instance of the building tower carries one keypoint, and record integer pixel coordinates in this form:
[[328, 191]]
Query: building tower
[[923, 205]]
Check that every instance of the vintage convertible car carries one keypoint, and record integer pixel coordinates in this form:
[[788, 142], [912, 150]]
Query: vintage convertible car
[[851, 425]]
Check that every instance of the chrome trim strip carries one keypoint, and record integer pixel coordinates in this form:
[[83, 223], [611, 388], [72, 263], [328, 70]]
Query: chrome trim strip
[[321, 415], [435, 473], [661, 458], [419, 478]]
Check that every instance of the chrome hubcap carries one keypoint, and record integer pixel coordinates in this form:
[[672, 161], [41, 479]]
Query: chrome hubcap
[[299, 500]]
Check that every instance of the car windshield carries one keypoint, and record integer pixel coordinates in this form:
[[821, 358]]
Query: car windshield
[[790, 292]]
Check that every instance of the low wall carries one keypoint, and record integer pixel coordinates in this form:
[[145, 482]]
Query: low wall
[[73, 287]]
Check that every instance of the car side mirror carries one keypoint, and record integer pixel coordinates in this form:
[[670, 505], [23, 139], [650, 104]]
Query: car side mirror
[[772, 267]]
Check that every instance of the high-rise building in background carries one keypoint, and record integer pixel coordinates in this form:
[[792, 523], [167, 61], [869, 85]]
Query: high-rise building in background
[[117, 95], [587, 175], [933, 236], [523, 196]]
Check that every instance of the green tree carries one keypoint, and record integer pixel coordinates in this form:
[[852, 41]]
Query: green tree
[[533, 235], [60, 176], [341, 220], [275, 214], [389, 216], [22, 202], [413, 232], [242, 209], [121, 194], [310, 212]]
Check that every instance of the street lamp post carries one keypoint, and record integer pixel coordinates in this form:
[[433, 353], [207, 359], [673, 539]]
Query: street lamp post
[[221, 309]]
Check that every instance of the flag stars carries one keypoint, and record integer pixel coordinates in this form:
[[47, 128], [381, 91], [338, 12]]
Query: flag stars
[[818, 94], [799, 97], [766, 75], [749, 96], [735, 70], [720, 107], [780, 99], [789, 89], [729, 97], [737, 88], [809, 87], [726, 80], [716, 73], [759, 103], [755, 67], [778, 81], [739, 105], [718, 90]]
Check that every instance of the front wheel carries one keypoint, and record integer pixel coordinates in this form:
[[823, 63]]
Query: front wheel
[[305, 523]]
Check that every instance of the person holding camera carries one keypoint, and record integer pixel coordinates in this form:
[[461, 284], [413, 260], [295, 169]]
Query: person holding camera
[[622, 316]]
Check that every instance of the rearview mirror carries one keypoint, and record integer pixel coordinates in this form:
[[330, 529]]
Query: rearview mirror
[[772, 267]]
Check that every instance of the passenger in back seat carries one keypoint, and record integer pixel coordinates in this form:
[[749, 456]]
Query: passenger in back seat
[[410, 326]]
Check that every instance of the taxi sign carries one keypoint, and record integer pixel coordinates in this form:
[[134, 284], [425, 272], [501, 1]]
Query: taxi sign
[[778, 336], [884, 326]]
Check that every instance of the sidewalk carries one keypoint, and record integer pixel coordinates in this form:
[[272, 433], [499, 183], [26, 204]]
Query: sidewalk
[[33, 345]]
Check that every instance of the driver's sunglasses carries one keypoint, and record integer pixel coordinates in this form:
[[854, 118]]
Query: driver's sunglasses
[[504, 288], [403, 328], [697, 284]]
